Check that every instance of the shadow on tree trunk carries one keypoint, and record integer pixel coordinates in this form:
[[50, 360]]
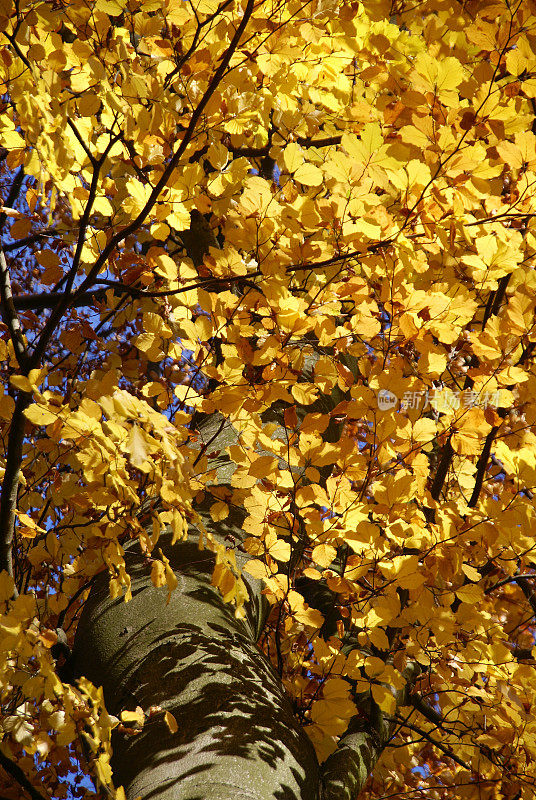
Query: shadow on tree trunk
[[237, 734]]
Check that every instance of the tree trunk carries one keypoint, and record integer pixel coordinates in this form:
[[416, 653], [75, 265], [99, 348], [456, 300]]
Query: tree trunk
[[237, 734], [238, 737]]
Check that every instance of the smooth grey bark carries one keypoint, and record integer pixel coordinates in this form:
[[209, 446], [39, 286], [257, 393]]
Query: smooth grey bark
[[237, 733], [238, 737]]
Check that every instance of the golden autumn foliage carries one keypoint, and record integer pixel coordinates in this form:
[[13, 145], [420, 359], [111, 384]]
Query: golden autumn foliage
[[317, 208]]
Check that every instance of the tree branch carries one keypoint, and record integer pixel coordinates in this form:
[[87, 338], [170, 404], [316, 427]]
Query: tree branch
[[13, 194], [12, 769], [481, 465], [83, 144], [442, 469], [510, 579], [10, 483], [495, 299], [303, 141], [527, 590], [18, 51], [493, 306], [426, 710], [41, 300], [155, 193], [188, 134], [9, 313], [20, 243], [67, 296], [371, 248], [97, 165], [10, 317], [345, 772]]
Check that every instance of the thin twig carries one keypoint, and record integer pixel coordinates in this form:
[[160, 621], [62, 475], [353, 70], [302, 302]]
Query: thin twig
[[440, 746], [97, 166], [303, 141], [82, 143], [209, 442], [10, 483]]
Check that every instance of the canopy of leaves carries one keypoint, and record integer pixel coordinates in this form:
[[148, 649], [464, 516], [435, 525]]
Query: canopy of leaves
[[310, 222]]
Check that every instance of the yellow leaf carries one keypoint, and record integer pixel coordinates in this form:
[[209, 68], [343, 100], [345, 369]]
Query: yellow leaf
[[434, 364], [137, 447], [20, 728], [364, 147], [104, 771], [136, 716], [292, 157], [219, 511], [471, 593], [309, 175], [262, 466], [47, 258], [472, 573], [158, 574], [162, 264], [39, 415], [112, 7], [138, 195], [374, 666], [314, 423], [88, 104], [336, 689], [383, 696], [510, 154], [257, 569], [303, 393], [171, 579], [7, 405], [171, 722], [28, 384], [470, 429], [224, 578], [324, 554], [27, 526], [280, 550], [301, 611], [424, 430], [187, 395], [379, 639]]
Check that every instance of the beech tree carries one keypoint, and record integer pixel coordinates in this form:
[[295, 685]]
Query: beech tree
[[268, 447]]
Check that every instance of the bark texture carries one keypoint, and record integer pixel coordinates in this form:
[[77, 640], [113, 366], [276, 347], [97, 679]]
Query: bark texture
[[238, 736]]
